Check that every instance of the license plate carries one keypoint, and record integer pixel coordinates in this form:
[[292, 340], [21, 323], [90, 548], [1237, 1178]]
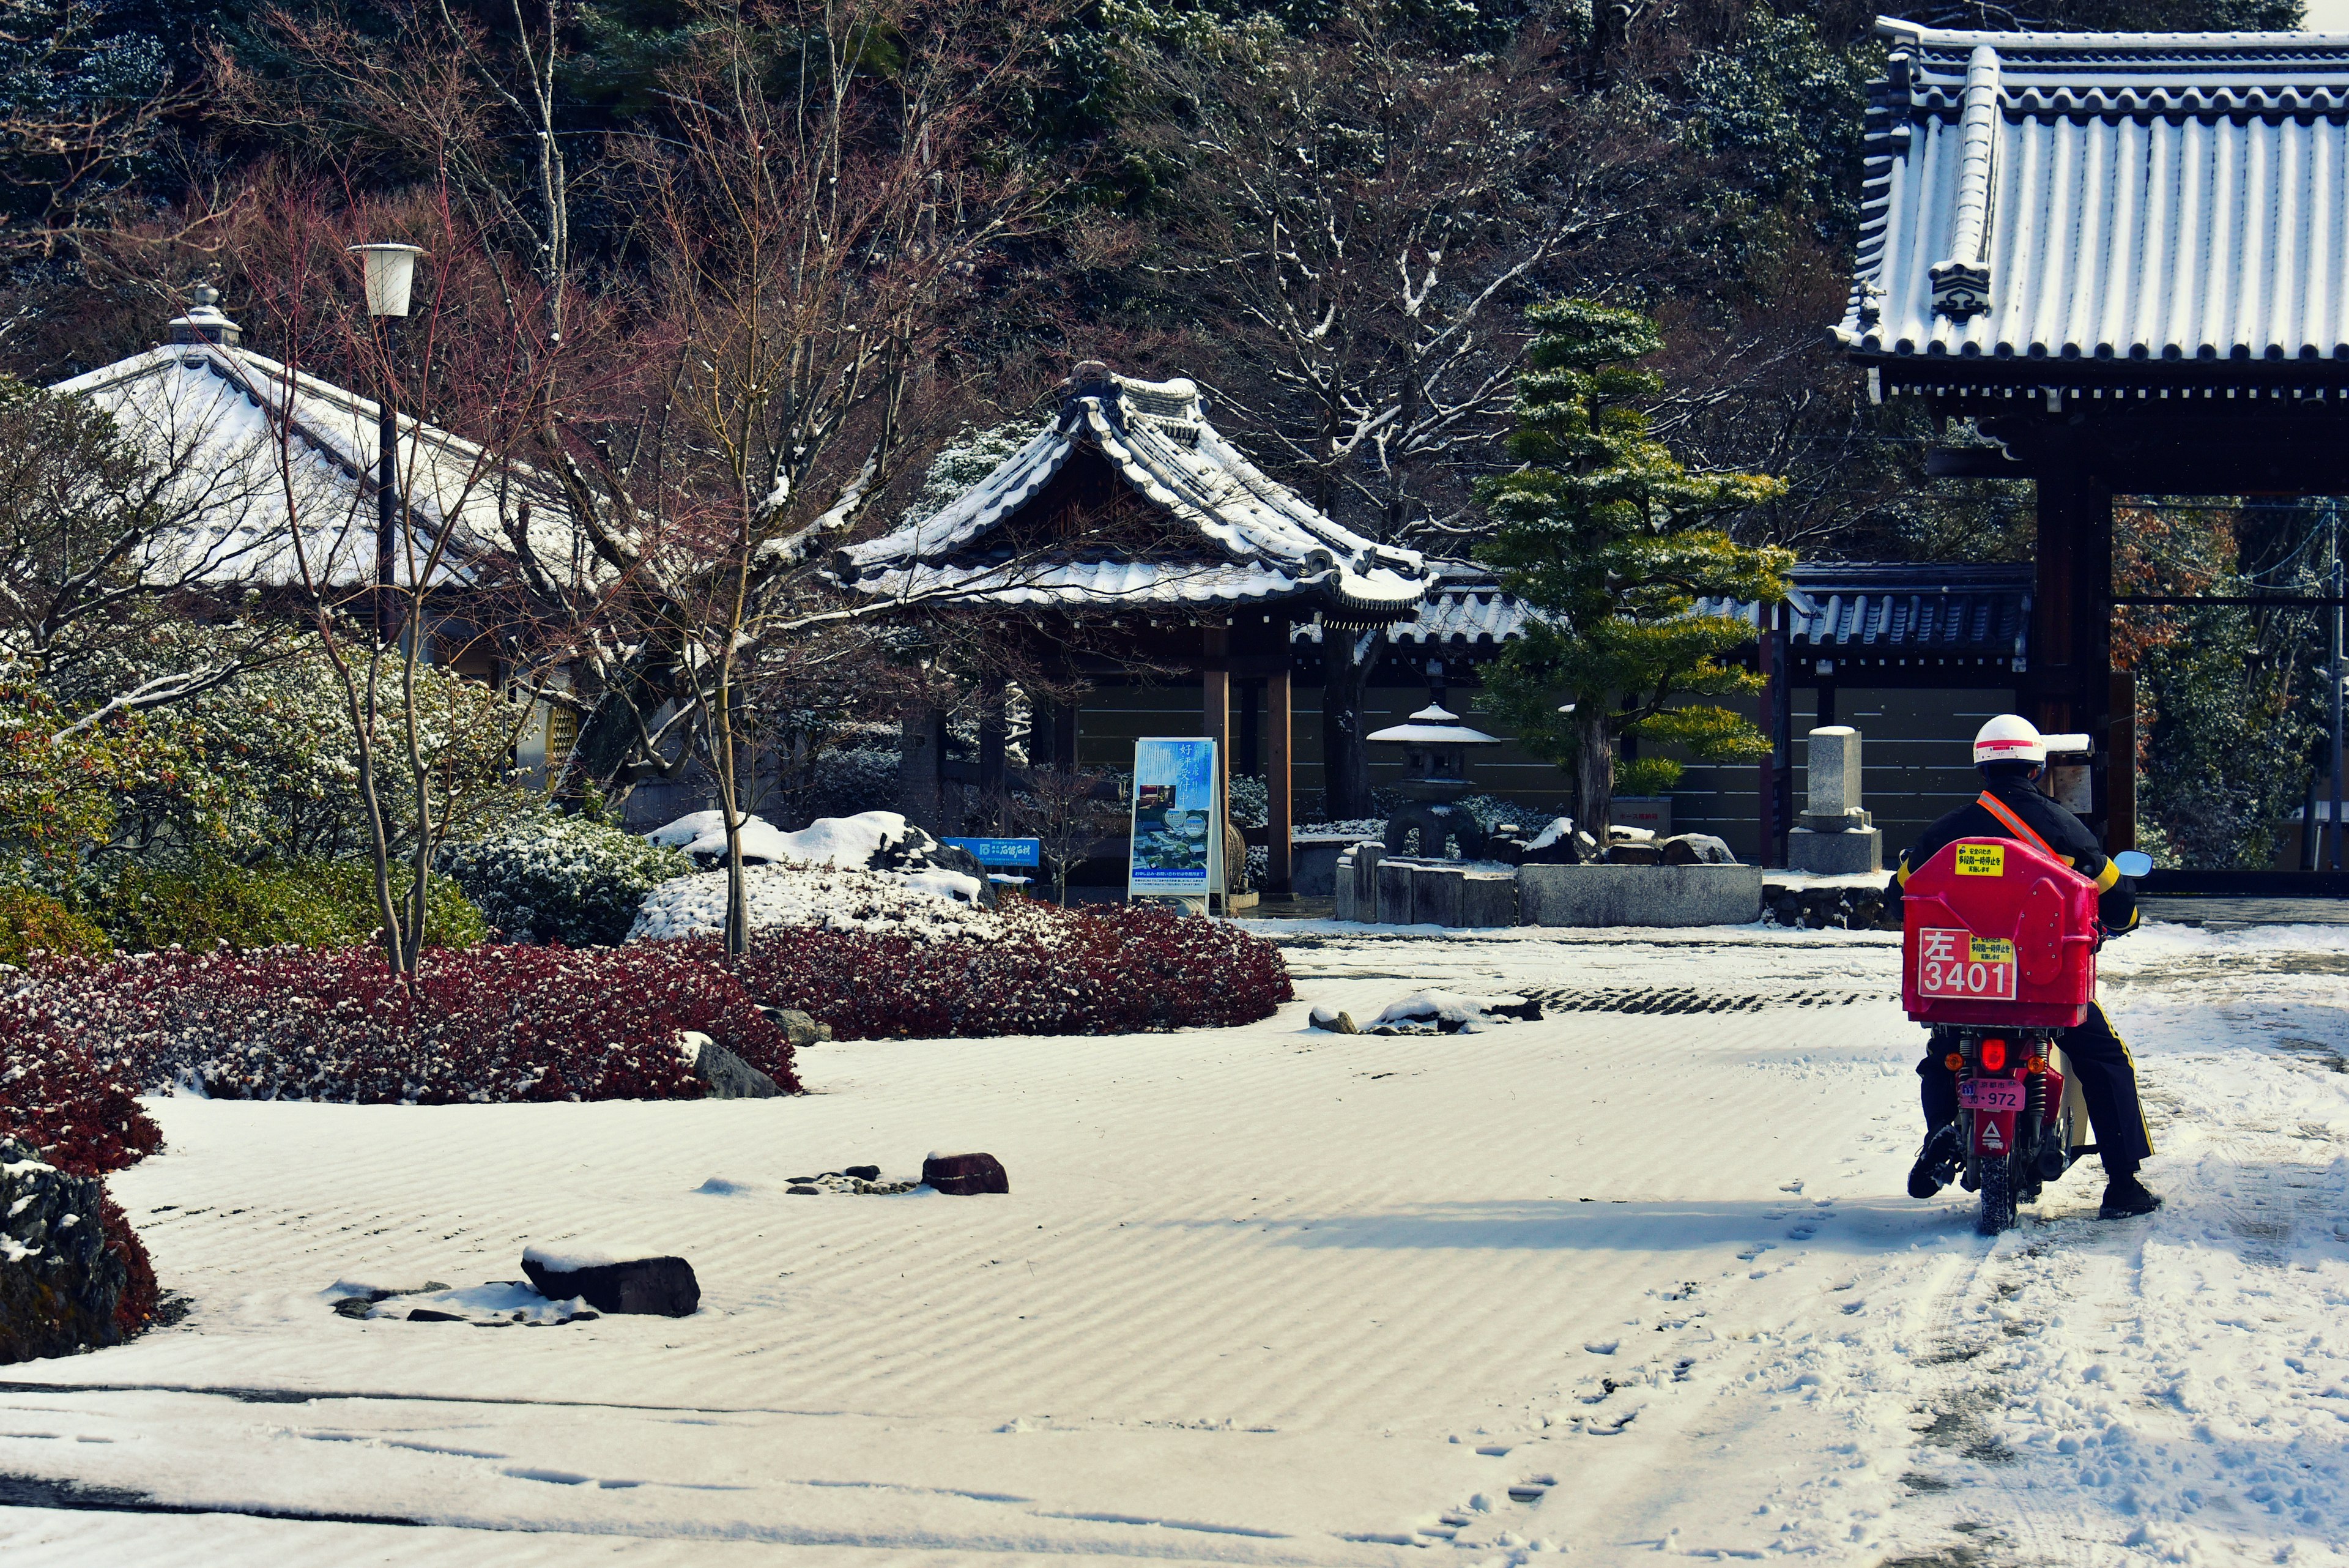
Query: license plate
[[1961, 964], [1991, 1094]]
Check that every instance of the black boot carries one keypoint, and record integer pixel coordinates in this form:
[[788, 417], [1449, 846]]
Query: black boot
[[1936, 1162], [2126, 1197]]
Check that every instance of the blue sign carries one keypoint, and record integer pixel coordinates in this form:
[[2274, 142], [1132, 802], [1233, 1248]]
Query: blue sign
[[1001, 851]]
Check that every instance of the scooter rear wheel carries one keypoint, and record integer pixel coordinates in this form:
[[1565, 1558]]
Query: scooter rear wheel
[[1997, 1197]]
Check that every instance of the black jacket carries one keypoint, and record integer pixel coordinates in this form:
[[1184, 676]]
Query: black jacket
[[2063, 833]]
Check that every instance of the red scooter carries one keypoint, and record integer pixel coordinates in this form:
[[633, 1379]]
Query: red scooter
[[1999, 956]]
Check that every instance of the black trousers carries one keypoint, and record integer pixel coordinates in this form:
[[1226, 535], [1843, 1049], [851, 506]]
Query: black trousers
[[2107, 1080]]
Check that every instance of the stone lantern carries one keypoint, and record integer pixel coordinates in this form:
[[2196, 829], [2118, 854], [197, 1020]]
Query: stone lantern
[[1435, 759]]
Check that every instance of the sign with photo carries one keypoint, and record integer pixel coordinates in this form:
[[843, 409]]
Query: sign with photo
[[1179, 830]]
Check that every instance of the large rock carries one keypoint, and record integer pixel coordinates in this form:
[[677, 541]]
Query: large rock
[[965, 1174], [614, 1281], [1696, 849], [726, 1075], [60, 1285], [1639, 895], [798, 1027]]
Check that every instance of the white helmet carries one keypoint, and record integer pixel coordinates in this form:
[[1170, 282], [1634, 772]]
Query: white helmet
[[2010, 738]]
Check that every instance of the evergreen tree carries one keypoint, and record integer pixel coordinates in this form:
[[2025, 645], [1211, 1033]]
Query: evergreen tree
[[1611, 543]]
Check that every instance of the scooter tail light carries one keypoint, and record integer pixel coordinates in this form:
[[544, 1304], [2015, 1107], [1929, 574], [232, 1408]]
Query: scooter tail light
[[1953, 1061], [1993, 1055]]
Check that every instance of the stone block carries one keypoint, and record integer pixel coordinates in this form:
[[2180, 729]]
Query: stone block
[[1488, 898], [1394, 881], [1834, 771], [1435, 895], [1835, 854], [1639, 895], [965, 1174], [1313, 869], [1341, 889]]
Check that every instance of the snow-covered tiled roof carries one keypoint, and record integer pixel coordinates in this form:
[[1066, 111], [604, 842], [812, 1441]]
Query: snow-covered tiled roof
[[1834, 608], [1259, 540], [2178, 197], [257, 457]]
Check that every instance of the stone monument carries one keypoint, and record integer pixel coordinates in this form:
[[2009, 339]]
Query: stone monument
[[1835, 837]]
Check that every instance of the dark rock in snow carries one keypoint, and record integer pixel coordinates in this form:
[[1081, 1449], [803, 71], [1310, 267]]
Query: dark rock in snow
[[965, 1174], [801, 1189], [1696, 849], [1336, 1023], [800, 1028], [59, 1283], [726, 1075], [661, 1286], [1634, 855], [862, 1172]]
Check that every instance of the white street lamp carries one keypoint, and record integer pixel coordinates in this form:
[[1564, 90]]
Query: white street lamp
[[390, 278], [390, 274]]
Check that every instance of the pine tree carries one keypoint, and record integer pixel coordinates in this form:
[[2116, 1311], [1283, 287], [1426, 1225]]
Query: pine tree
[[1611, 543]]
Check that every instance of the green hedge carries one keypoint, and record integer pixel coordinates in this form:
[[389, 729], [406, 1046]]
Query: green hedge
[[34, 922], [313, 904]]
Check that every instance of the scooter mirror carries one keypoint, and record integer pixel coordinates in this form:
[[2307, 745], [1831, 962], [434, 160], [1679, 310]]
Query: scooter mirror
[[2133, 862]]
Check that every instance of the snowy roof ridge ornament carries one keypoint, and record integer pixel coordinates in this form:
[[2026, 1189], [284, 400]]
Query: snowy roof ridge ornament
[[1250, 538], [1961, 282], [204, 322], [2047, 197]]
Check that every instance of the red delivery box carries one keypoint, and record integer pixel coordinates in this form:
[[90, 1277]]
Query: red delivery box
[[1998, 933]]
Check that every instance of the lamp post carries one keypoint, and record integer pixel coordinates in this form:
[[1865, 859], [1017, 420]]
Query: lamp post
[[390, 275]]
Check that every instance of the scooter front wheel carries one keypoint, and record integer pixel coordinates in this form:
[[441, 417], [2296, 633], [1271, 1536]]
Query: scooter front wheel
[[1997, 1197]]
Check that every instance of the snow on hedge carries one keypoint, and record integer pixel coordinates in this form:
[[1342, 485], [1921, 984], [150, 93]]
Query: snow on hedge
[[841, 841], [929, 906]]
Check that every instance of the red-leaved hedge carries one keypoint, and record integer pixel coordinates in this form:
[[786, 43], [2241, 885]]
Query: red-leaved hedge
[[479, 1024], [1114, 969], [84, 1121]]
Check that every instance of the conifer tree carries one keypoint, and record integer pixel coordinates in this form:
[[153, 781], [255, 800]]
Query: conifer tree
[[1611, 543]]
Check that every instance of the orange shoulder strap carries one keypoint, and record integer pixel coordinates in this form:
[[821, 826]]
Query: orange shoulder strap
[[2014, 824]]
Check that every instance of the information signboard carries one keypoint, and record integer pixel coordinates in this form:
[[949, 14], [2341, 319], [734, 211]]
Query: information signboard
[[1001, 851], [1179, 830]]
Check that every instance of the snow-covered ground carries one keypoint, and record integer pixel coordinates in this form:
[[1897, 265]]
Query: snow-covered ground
[[1635, 1279]]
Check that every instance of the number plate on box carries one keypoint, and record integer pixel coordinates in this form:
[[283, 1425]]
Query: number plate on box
[[1960, 964], [1991, 1094]]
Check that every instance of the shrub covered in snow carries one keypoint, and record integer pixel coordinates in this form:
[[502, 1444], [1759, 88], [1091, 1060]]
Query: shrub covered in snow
[[486, 1025], [1049, 970], [924, 905], [562, 879]]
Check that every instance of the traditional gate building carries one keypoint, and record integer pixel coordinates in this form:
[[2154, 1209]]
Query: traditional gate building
[[2125, 259]]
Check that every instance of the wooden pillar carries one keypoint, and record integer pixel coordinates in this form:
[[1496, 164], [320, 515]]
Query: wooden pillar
[[1215, 716], [2092, 649], [921, 767], [1280, 875], [1767, 655], [2120, 747], [1248, 763], [1064, 736], [2060, 497], [991, 734]]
